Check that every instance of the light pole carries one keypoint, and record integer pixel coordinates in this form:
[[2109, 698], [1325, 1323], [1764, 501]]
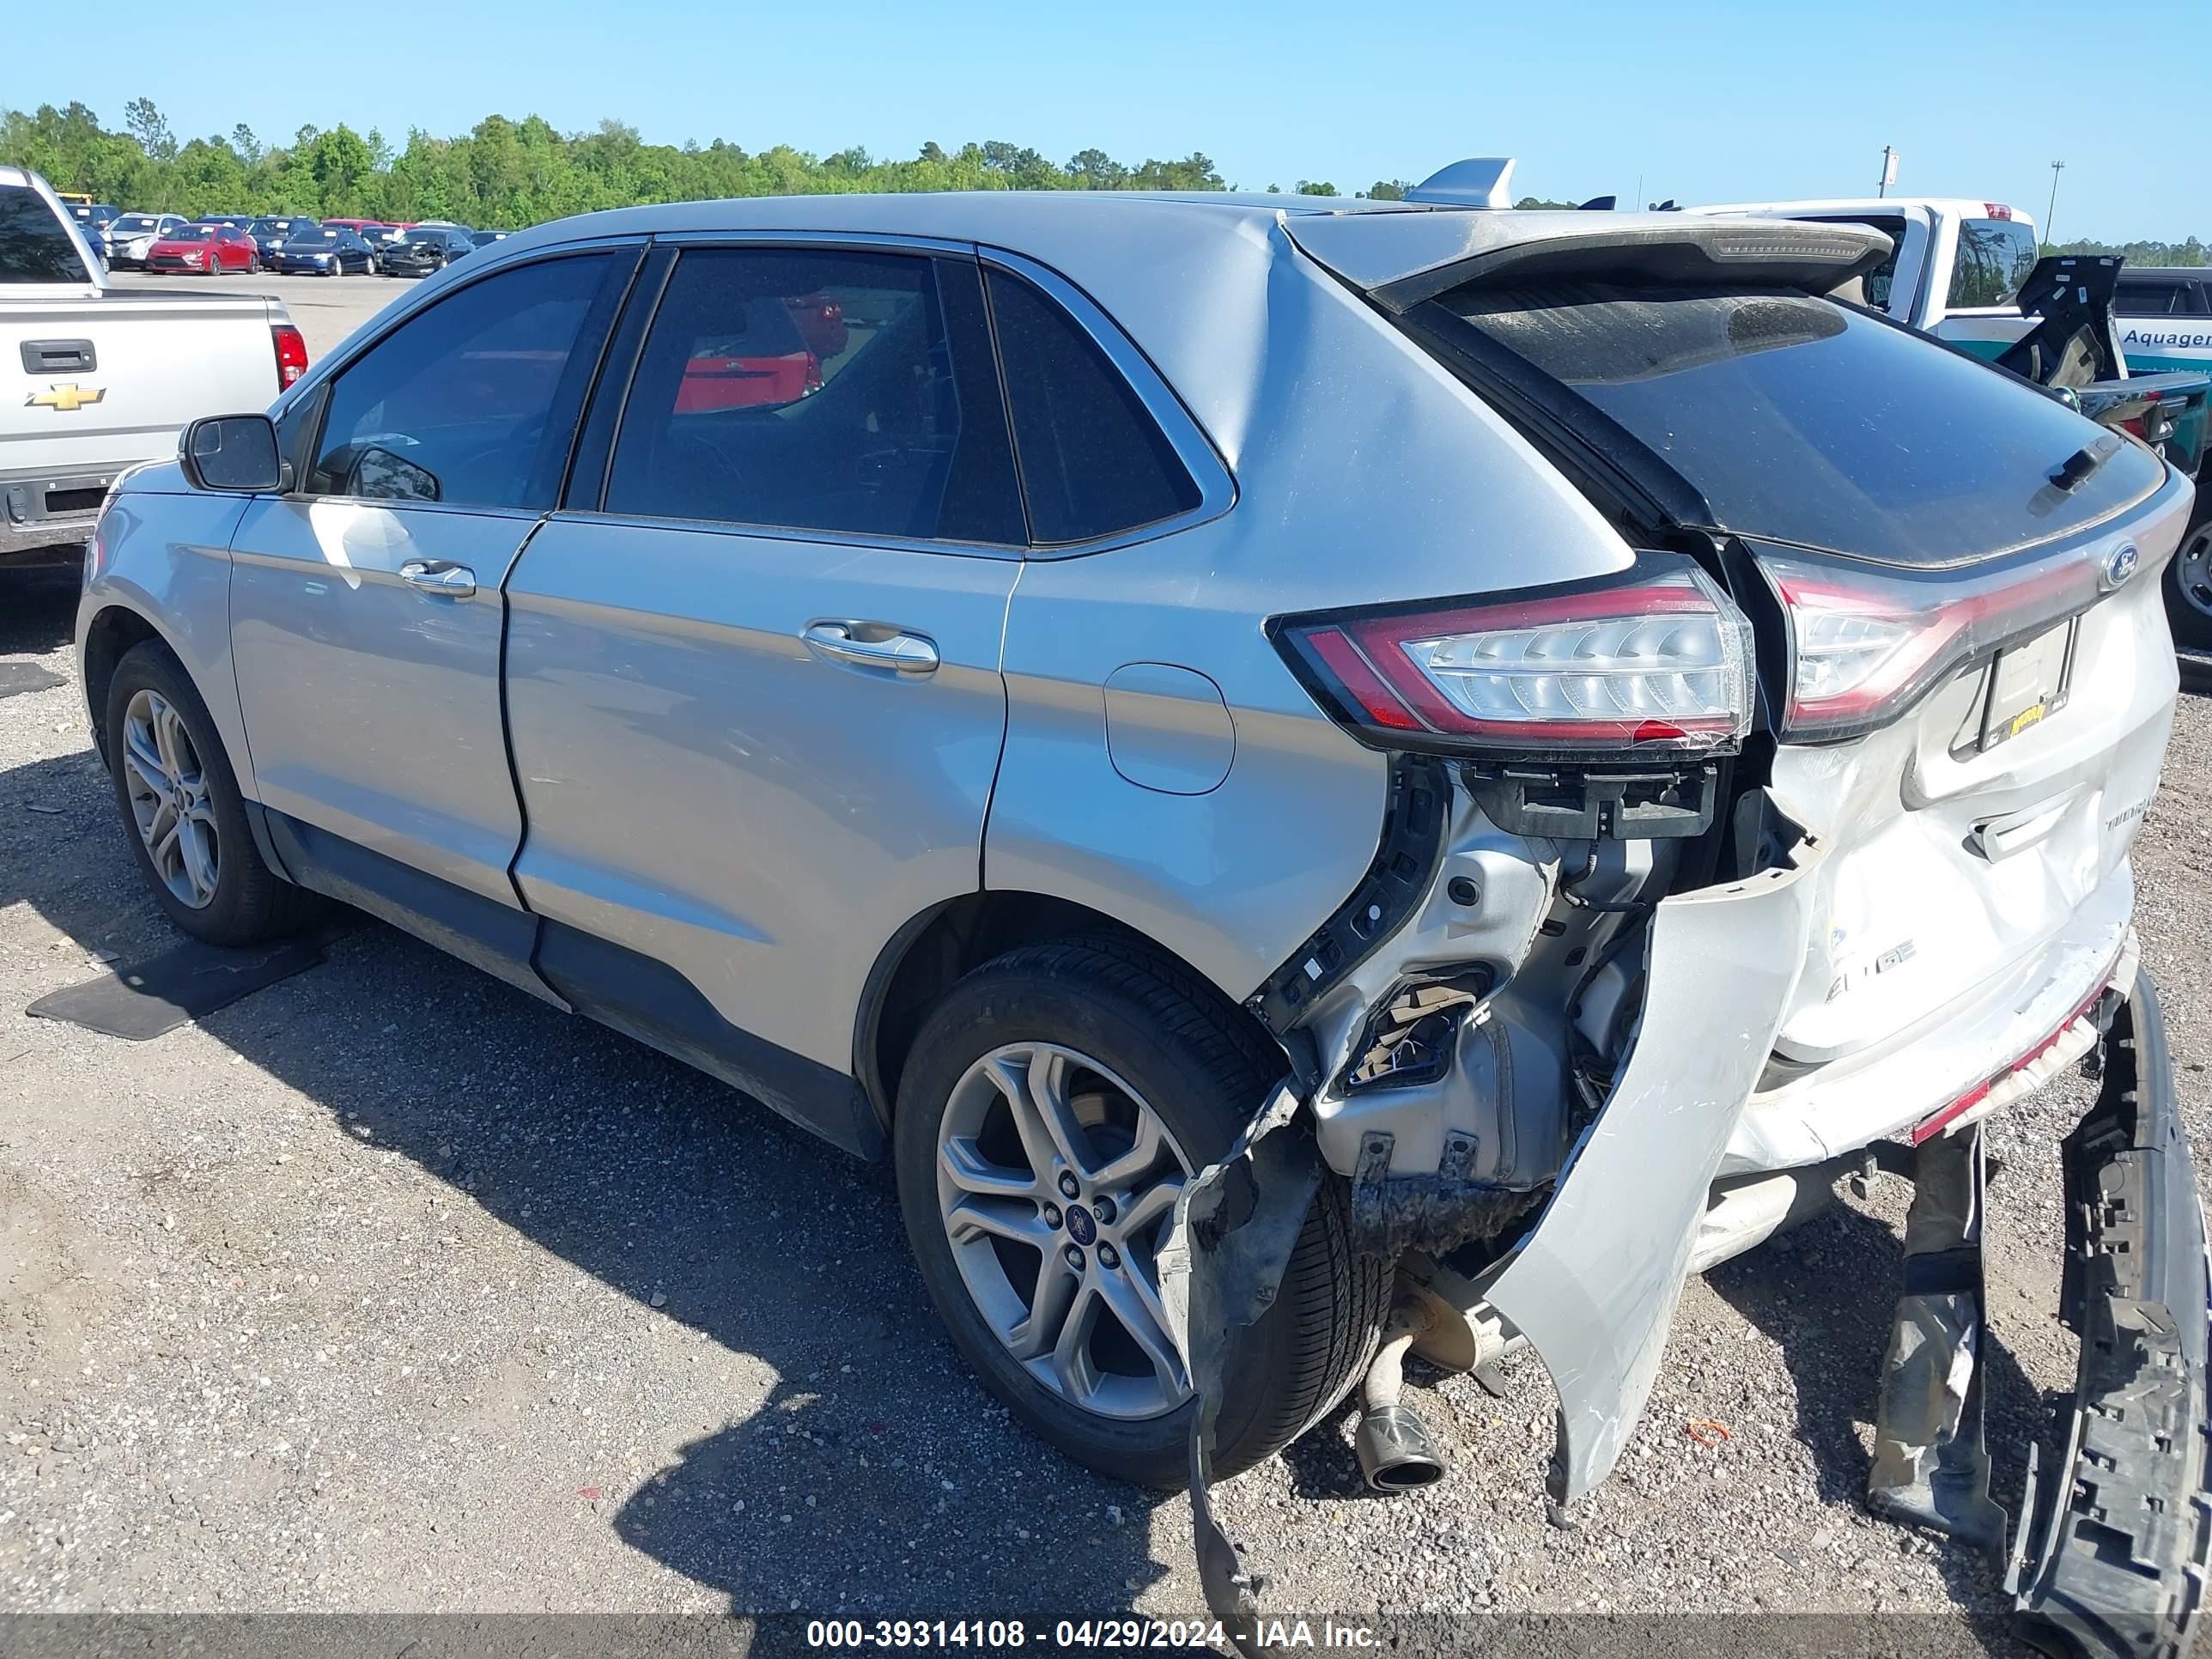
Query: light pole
[[2056, 168], [1888, 170]]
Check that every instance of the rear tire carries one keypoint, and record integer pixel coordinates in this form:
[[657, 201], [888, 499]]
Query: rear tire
[[245, 901], [2189, 578], [1181, 1054]]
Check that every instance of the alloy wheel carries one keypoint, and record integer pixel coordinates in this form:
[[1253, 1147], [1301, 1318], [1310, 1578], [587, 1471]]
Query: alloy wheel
[[1057, 1184], [169, 799], [2192, 568]]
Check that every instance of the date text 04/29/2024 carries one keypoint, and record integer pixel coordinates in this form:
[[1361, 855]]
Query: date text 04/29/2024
[[1007, 1635]]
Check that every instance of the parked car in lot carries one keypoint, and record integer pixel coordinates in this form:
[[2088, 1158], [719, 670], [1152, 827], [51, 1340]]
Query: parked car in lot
[[98, 379], [1478, 777], [131, 237], [199, 250], [324, 250], [486, 238], [96, 220], [423, 249], [271, 233]]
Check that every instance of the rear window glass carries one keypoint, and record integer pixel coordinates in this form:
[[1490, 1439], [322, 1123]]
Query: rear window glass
[[1994, 258], [33, 245], [1803, 421], [2147, 299], [1094, 462]]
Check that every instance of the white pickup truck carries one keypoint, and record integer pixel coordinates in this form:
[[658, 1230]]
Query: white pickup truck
[[96, 379]]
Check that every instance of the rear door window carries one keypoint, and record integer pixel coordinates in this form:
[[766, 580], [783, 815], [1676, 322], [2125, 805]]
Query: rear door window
[[1093, 461], [841, 392], [1800, 420], [1994, 258], [33, 245], [2145, 299], [473, 402]]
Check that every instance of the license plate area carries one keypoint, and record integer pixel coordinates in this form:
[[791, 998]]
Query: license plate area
[[2023, 686]]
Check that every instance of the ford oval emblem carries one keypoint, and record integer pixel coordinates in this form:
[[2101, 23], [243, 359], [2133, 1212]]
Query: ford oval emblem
[[2120, 564]]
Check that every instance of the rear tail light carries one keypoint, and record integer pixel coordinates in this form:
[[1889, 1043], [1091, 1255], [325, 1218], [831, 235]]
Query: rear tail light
[[1655, 661], [291, 354], [1866, 643]]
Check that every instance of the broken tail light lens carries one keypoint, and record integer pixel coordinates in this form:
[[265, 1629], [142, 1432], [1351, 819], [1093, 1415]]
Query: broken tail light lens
[[1655, 661], [1865, 644]]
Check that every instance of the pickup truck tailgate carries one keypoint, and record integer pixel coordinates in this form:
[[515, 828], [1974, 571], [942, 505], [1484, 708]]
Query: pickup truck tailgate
[[88, 383]]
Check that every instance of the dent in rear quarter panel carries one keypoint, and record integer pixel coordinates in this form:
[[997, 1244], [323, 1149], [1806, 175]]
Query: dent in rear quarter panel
[[1364, 474], [168, 559]]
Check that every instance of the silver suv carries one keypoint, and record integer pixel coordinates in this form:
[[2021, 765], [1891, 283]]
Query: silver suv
[[1324, 779]]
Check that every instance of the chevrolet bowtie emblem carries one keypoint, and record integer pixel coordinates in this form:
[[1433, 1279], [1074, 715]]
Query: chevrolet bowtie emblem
[[66, 399]]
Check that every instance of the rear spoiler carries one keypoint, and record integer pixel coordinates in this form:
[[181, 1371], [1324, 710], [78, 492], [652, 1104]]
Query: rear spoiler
[[1399, 260]]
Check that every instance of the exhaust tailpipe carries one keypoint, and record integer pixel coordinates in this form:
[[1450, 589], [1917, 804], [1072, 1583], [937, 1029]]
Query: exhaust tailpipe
[[1395, 1451]]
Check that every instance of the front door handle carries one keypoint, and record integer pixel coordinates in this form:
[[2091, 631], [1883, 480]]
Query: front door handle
[[873, 645], [439, 576]]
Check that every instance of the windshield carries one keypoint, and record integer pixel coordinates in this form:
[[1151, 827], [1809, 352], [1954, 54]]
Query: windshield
[[34, 245], [138, 221], [192, 233], [312, 238], [1804, 421]]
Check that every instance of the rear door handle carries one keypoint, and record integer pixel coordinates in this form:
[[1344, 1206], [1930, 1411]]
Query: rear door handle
[[873, 645], [439, 576]]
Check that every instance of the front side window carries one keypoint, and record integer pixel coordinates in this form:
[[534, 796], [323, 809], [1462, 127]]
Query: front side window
[[1994, 259], [473, 402], [818, 390], [33, 245], [1093, 461]]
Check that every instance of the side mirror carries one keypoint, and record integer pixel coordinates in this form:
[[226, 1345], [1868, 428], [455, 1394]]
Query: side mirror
[[236, 452]]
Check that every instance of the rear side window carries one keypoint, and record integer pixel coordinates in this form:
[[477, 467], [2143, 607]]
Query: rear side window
[[1800, 420], [1094, 462], [843, 393], [33, 245], [1994, 259], [473, 402], [2144, 299]]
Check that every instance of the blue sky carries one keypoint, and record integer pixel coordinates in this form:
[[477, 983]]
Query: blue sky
[[1701, 100]]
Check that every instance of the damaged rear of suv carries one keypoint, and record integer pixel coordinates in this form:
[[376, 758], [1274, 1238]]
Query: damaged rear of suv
[[1796, 846], [1329, 779]]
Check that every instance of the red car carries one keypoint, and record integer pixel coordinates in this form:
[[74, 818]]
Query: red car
[[204, 251], [776, 356]]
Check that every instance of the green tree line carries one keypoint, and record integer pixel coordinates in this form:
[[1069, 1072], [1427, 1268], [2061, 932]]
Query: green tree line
[[2190, 251], [505, 173]]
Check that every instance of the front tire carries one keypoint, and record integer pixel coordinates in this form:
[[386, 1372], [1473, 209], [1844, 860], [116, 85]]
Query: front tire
[[182, 806], [1097, 1066]]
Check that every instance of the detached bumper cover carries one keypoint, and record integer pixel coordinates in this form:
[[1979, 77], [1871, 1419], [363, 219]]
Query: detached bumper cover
[[2123, 1526], [1594, 1286]]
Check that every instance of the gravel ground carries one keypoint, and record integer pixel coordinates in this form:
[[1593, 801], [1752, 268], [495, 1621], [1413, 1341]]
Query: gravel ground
[[390, 1289]]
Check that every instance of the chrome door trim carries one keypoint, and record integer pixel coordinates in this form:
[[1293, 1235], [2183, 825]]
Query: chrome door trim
[[1217, 485]]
